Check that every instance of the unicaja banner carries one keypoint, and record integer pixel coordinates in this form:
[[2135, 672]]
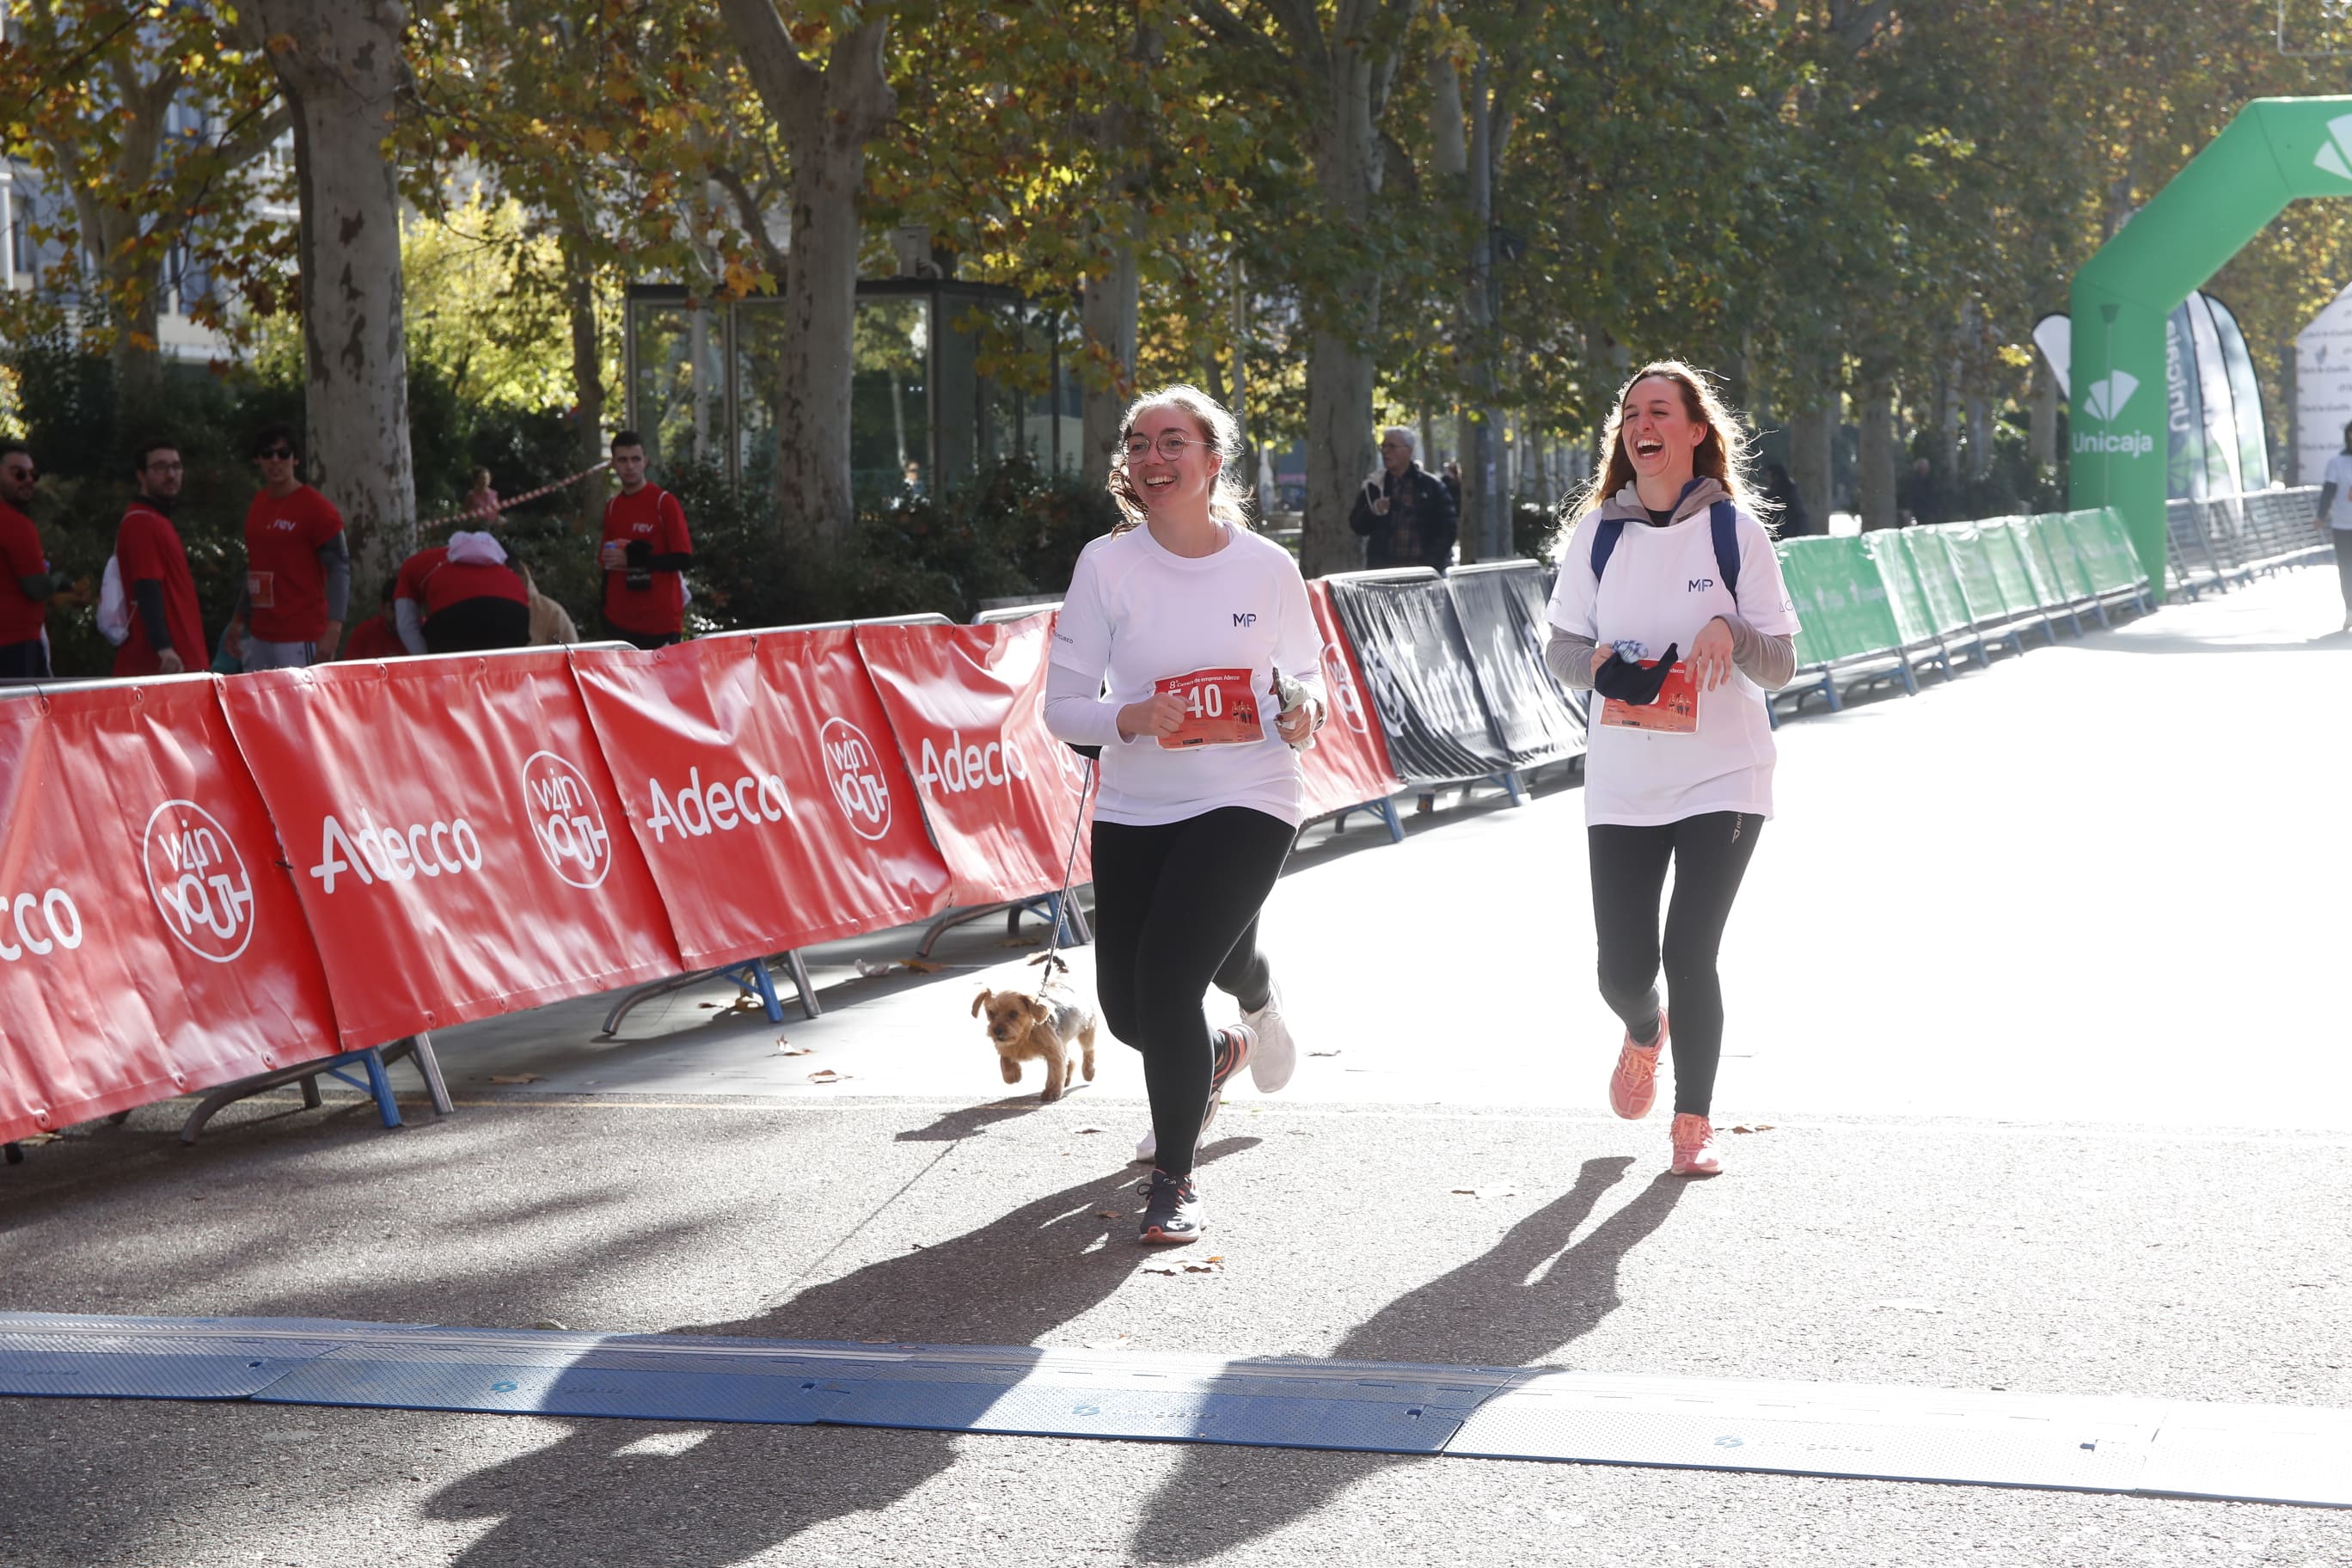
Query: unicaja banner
[[1348, 764], [758, 774], [454, 835], [150, 942], [1000, 793]]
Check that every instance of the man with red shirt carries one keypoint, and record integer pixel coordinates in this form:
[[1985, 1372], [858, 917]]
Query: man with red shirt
[[460, 597], [298, 570], [167, 631], [23, 570], [645, 554]]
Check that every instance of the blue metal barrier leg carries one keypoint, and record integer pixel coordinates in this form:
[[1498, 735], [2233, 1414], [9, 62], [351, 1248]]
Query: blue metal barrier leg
[[753, 980], [1388, 813]]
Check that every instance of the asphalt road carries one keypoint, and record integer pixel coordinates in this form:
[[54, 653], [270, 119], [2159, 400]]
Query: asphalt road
[[2034, 983]]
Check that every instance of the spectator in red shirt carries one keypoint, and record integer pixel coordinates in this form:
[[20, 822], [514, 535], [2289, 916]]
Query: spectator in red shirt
[[460, 597], [24, 585], [645, 554], [167, 629], [298, 570], [377, 636]]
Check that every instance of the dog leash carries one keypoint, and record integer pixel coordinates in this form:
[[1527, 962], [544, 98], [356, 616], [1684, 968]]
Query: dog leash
[[1051, 958]]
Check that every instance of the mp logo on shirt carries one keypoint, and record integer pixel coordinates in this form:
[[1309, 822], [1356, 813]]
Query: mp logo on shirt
[[1700, 585], [854, 768], [198, 881], [1245, 619], [566, 823]]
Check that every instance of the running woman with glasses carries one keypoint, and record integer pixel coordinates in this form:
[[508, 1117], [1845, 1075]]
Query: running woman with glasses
[[1180, 638], [1670, 609]]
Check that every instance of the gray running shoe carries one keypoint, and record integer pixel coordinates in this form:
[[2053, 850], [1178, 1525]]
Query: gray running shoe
[[1172, 1214]]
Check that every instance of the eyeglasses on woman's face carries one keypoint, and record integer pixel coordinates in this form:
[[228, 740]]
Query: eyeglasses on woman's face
[[276, 454], [1171, 445]]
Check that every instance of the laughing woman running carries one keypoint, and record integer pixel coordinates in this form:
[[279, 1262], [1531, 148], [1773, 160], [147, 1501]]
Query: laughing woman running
[[1671, 610], [1195, 625]]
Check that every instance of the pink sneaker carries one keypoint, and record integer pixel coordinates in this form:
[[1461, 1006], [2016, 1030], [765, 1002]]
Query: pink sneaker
[[1694, 1138], [1633, 1087]]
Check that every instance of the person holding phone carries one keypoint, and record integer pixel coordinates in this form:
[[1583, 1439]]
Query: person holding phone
[[1670, 609], [1404, 513], [1187, 651]]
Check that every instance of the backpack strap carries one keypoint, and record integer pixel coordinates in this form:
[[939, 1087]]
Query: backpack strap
[[1604, 544], [1723, 520], [1723, 523]]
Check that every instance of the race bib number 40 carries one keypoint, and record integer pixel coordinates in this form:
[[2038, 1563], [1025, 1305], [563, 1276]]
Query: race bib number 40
[[1676, 713], [1220, 708]]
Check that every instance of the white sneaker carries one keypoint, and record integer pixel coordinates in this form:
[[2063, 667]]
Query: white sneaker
[[1147, 1148], [1276, 1056]]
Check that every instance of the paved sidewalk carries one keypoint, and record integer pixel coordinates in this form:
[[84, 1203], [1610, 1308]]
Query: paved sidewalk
[[2030, 981]]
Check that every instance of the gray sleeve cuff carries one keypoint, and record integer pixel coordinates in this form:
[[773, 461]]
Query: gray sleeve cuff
[[1767, 661], [411, 630], [1570, 659]]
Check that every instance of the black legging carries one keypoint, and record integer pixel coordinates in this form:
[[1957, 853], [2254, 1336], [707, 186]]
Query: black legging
[[2342, 539], [1709, 855], [1176, 910]]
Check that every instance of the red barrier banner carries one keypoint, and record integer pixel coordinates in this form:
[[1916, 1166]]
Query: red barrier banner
[[454, 835], [151, 943], [1000, 795], [759, 775], [1350, 764]]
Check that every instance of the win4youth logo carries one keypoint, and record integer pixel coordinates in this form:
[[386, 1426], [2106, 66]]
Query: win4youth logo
[[2106, 399], [2335, 158]]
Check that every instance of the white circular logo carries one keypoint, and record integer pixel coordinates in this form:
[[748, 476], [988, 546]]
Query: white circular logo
[[566, 822], [198, 880], [853, 769]]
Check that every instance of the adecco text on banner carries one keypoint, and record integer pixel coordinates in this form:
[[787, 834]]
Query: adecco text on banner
[[393, 854], [198, 880], [968, 766], [59, 925], [698, 810]]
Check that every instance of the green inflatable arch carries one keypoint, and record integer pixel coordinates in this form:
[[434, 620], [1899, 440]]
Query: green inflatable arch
[[2275, 151]]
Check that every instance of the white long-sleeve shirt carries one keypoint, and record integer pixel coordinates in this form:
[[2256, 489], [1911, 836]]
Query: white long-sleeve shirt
[[1137, 615]]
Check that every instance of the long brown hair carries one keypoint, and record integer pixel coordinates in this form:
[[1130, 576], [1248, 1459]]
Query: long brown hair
[[1726, 456], [1228, 502]]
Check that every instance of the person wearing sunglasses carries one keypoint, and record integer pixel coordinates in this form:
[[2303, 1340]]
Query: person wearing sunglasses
[[298, 569], [1187, 651], [24, 585]]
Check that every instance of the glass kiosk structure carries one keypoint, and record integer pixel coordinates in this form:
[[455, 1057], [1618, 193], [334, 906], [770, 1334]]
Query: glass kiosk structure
[[701, 380]]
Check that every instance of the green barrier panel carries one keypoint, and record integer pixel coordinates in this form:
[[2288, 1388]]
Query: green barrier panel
[[1841, 602], [2117, 528], [2020, 584], [2105, 557], [1914, 623], [1939, 581], [1980, 583], [2056, 548]]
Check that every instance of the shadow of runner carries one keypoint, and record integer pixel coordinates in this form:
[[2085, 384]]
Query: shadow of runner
[[598, 1497], [1521, 1301]]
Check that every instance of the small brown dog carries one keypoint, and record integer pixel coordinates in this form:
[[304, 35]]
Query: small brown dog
[[1041, 1025]]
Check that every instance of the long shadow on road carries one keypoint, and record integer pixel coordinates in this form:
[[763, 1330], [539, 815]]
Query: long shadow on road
[[597, 1496], [1530, 1296]]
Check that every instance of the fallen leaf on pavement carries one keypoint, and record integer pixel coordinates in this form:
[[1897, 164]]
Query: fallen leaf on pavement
[[1119, 1343], [922, 966], [1331, 1053], [826, 1075], [1759, 1127], [1019, 941], [1083, 1129], [514, 1078], [34, 1140], [1506, 1192], [786, 1049], [1106, 1214], [1200, 1266], [550, 1326]]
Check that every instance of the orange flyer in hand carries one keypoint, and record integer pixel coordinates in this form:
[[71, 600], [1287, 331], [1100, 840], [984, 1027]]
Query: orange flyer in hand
[[1220, 708], [1676, 713]]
